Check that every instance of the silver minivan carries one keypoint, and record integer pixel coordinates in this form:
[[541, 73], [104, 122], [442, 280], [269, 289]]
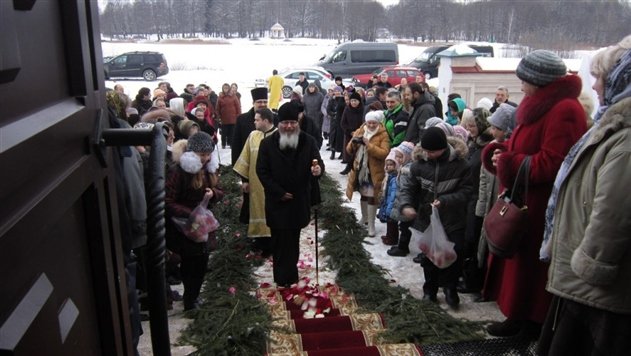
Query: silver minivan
[[358, 57]]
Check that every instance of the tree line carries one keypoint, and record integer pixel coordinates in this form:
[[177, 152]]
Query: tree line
[[559, 24]]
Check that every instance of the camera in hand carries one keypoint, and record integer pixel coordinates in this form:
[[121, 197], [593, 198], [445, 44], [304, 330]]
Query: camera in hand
[[358, 139]]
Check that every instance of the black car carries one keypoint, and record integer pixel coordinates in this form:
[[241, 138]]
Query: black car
[[148, 65]]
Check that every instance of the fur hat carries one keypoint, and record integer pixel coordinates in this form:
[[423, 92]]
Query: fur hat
[[375, 116], [540, 68], [480, 116], [288, 111], [461, 133], [485, 103], [434, 139], [503, 118], [338, 89], [258, 94], [433, 121], [200, 142], [355, 95], [200, 99], [297, 90], [185, 126], [159, 92]]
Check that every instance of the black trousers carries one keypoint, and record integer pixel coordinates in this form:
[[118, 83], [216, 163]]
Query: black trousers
[[193, 269], [227, 131], [405, 236], [447, 277], [286, 250]]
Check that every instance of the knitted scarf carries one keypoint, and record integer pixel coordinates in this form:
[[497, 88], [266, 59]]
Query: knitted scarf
[[617, 87], [363, 175]]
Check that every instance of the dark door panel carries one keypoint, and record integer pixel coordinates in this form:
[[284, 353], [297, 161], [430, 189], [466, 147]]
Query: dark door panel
[[62, 286]]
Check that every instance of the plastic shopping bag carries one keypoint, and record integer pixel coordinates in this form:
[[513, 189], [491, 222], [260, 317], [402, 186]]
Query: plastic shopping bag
[[434, 244], [199, 223]]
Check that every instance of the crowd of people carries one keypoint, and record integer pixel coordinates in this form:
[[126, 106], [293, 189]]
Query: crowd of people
[[405, 159]]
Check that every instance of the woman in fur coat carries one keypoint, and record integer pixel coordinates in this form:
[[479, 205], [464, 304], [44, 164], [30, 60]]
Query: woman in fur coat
[[370, 146], [549, 121], [192, 179]]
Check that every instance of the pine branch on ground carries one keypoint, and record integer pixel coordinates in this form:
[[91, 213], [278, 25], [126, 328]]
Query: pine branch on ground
[[231, 321]]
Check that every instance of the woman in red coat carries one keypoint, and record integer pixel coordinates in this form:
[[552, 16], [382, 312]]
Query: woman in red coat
[[549, 121], [228, 108]]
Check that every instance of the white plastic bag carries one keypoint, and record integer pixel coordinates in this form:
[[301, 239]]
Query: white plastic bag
[[199, 224], [434, 244]]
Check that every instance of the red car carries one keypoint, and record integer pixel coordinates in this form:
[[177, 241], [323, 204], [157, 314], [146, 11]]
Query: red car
[[394, 75]]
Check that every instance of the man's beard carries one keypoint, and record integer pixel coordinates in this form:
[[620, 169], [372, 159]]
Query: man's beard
[[289, 140]]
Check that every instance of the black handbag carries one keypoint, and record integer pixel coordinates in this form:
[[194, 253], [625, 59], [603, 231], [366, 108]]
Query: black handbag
[[506, 223]]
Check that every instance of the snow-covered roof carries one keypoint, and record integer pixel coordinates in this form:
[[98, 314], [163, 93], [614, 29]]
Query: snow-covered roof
[[510, 64], [459, 50], [278, 27]]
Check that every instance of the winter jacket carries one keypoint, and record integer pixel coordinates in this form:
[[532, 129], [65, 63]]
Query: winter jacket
[[313, 104], [396, 124], [326, 119], [549, 122], [377, 149], [309, 126], [336, 134], [389, 193], [352, 119], [288, 171], [447, 179], [591, 254], [228, 108], [423, 110], [180, 200], [395, 214]]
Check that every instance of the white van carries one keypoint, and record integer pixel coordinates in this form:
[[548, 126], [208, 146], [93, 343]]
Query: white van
[[350, 58]]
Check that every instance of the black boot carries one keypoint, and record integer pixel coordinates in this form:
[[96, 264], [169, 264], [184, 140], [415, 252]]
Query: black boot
[[451, 297], [332, 154], [346, 170], [508, 327]]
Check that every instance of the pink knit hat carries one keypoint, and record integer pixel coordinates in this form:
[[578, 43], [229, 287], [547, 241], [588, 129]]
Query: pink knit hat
[[391, 156]]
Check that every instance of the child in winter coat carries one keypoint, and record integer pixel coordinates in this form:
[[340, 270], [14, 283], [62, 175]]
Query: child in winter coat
[[389, 190], [403, 157], [193, 179], [502, 124]]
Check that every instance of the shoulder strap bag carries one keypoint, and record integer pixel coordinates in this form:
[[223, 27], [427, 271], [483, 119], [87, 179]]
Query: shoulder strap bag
[[506, 223]]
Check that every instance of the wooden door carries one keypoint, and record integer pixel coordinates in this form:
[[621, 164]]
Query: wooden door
[[61, 270]]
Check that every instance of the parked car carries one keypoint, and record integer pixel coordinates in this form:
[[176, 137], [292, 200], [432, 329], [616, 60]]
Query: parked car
[[428, 61], [394, 75], [357, 57], [291, 77], [148, 65]]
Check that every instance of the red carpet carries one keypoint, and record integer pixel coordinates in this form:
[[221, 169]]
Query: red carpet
[[323, 321]]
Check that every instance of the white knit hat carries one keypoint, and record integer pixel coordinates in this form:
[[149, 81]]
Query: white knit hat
[[375, 116]]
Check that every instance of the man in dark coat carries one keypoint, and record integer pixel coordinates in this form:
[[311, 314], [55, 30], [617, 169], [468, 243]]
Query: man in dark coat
[[501, 97], [245, 122], [423, 104], [288, 166]]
